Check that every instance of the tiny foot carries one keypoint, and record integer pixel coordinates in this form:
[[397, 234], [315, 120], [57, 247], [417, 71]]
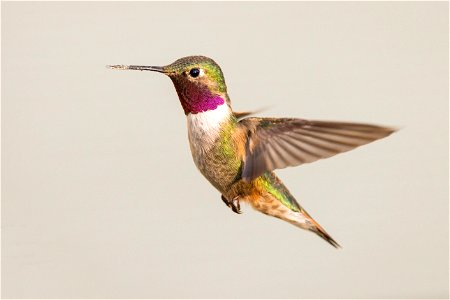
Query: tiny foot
[[236, 204], [225, 201], [233, 204]]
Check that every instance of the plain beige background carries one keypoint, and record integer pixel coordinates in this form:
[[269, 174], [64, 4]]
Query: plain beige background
[[101, 199]]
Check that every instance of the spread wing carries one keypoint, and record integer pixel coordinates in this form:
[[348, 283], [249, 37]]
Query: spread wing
[[274, 143]]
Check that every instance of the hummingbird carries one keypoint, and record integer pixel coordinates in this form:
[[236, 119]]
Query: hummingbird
[[238, 154]]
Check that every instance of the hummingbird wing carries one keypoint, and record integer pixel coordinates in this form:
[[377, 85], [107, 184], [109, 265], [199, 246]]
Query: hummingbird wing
[[276, 143], [242, 114]]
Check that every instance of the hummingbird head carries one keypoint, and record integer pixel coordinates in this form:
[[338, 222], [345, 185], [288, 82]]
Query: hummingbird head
[[198, 80]]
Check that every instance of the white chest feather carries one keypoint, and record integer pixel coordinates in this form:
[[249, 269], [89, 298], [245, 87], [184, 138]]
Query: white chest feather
[[204, 127]]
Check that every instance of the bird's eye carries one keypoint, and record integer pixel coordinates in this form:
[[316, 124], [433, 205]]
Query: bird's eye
[[194, 72]]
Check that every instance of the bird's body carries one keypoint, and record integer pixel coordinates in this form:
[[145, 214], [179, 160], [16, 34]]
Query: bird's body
[[217, 140], [238, 156]]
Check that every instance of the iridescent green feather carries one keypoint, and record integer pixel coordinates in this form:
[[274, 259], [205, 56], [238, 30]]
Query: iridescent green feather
[[275, 187], [214, 71], [226, 147]]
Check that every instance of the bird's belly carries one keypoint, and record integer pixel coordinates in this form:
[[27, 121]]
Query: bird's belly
[[212, 146], [215, 167]]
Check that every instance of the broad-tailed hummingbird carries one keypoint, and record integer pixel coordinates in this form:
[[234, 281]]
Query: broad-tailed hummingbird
[[238, 154]]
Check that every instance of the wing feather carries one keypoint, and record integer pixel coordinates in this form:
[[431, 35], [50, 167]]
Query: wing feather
[[279, 143]]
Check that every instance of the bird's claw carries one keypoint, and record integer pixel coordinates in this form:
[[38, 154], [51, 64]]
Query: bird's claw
[[236, 206], [233, 204]]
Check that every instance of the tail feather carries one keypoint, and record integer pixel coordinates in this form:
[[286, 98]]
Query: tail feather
[[275, 200], [317, 229], [323, 234]]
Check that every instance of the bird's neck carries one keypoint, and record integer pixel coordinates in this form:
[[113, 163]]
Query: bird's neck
[[202, 102], [199, 98], [206, 127]]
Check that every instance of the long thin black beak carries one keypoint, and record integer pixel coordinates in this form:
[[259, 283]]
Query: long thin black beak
[[139, 68]]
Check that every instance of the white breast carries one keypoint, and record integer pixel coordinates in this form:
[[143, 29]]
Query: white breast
[[204, 127]]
